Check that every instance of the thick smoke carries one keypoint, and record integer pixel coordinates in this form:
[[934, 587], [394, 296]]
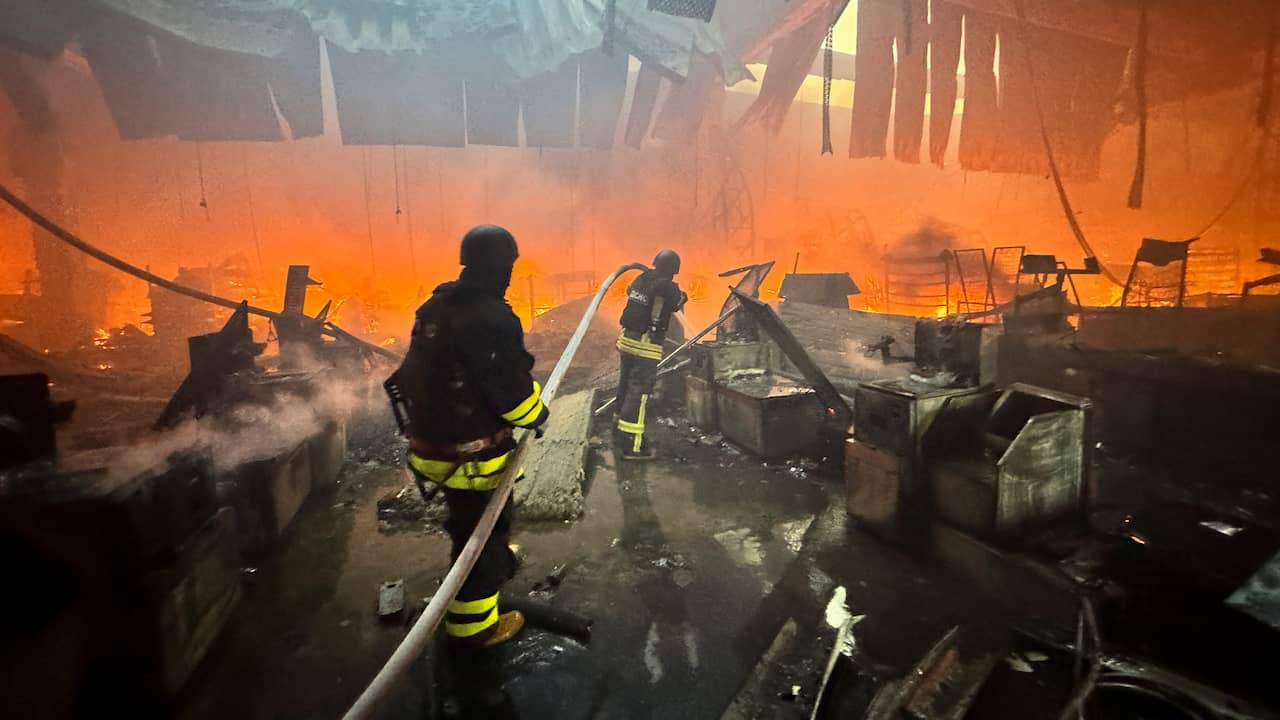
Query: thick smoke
[[252, 432]]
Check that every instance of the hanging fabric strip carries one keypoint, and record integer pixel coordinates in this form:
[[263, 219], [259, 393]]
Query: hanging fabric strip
[[1140, 94], [603, 85], [643, 100], [789, 64], [946, 28], [689, 101], [873, 83], [977, 127], [828, 61], [912, 83]]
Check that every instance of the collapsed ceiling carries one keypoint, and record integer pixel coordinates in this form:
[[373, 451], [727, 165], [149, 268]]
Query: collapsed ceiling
[[445, 72]]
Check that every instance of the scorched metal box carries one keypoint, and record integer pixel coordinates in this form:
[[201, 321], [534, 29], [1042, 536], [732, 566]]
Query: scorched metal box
[[771, 416]]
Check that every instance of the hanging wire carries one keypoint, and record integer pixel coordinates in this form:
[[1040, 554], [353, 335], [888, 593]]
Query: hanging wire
[[573, 225], [828, 67], [395, 171], [253, 221], [204, 202], [368, 211], [177, 182], [408, 214]]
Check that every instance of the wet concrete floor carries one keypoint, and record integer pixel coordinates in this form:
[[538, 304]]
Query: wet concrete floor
[[688, 565]]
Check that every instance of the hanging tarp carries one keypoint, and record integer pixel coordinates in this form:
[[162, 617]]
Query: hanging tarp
[[688, 102], [643, 100], [912, 84], [158, 84], [417, 102], [603, 85], [978, 124], [550, 33], [878, 21], [946, 30], [294, 82], [547, 102], [493, 102], [1020, 148], [1075, 79], [43, 33], [790, 62]]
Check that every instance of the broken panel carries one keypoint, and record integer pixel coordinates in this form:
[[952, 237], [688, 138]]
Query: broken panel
[[419, 102]]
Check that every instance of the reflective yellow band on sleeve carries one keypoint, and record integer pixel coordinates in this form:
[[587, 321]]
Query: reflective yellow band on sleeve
[[526, 407], [465, 630], [474, 607], [631, 428]]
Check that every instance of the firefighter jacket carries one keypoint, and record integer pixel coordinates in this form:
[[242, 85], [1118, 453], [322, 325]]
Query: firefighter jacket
[[651, 300], [467, 374]]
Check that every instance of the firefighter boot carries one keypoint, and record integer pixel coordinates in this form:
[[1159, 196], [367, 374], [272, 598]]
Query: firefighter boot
[[509, 625]]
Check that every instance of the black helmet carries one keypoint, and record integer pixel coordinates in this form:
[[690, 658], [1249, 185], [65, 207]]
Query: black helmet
[[489, 247], [667, 262]]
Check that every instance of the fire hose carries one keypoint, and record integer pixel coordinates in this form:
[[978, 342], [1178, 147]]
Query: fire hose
[[96, 253], [415, 643]]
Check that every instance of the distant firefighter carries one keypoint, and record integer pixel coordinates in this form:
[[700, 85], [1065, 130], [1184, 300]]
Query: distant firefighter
[[651, 300]]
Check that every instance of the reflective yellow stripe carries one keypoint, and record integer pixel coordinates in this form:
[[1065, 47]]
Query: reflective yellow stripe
[[479, 475], [644, 400], [464, 630], [474, 607], [525, 407], [630, 427], [642, 347], [530, 417]]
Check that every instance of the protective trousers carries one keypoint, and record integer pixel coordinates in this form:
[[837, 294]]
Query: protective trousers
[[473, 614], [635, 385]]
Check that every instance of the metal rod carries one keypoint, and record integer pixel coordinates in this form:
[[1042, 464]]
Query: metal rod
[[423, 630], [674, 353]]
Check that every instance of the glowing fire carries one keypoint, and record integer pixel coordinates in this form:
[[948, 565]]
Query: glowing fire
[[101, 337]]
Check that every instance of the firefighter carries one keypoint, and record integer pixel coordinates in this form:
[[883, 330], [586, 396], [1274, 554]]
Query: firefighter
[[651, 300], [466, 385]]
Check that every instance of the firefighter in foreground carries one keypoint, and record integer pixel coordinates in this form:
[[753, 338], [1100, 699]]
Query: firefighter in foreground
[[466, 384], [651, 300]]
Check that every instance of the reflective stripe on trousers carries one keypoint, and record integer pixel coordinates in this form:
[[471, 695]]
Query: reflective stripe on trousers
[[468, 618], [635, 428]]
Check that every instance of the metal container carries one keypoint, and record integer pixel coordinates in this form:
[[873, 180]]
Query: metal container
[[873, 484], [700, 403], [1028, 466], [770, 416], [895, 414]]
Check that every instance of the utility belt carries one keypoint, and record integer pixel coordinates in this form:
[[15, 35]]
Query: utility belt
[[637, 343], [461, 451]]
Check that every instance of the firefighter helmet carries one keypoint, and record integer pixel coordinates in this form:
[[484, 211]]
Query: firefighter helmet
[[667, 262], [489, 247]]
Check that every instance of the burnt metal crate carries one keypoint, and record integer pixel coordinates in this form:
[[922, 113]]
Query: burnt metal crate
[[700, 403], [328, 452], [162, 500], [873, 486], [771, 416], [266, 495], [718, 360], [894, 415], [190, 601], [1026, 465]]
